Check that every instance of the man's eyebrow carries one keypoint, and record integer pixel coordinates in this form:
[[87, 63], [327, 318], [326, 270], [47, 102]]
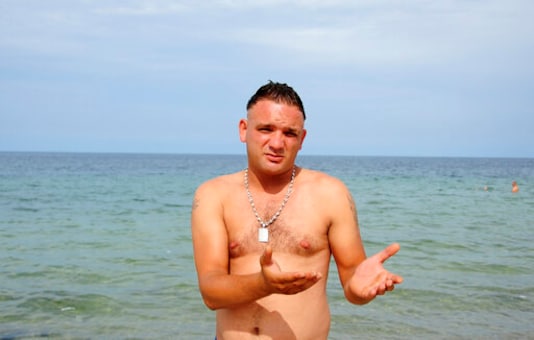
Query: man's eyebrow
[[269, 125], [292, 130]]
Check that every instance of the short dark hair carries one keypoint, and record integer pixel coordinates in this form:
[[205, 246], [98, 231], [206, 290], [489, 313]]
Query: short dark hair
[[279, 93]]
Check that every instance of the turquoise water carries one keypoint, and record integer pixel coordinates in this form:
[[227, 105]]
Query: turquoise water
[[98, 246]]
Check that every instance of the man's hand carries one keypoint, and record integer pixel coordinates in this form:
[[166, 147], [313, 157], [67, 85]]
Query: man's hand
[[278, 282], [371, 278]]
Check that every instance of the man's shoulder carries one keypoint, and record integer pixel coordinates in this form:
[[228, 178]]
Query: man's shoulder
[[319, 177], [221, 183], [320, 181]]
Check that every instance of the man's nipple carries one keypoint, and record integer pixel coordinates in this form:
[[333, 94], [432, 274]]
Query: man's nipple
[[305, 244]]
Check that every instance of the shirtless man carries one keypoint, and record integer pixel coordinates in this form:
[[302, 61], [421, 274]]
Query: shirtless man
[[263, 237]]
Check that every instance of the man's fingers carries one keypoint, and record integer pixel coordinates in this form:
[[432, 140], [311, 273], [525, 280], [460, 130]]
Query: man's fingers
[[292, 283], [388, 252], [397, 279], [285, 282]]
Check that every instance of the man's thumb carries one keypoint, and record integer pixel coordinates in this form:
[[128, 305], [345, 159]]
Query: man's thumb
[[389, 251], [266, 258]]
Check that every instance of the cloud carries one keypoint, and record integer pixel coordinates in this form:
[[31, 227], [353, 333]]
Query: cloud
[[391, 35], [143, 8], [380, 34], [420, 65]]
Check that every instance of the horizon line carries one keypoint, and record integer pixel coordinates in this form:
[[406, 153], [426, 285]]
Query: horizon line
[[304, 154]]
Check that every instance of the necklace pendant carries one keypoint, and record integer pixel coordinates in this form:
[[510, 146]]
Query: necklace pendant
[[263, 235]]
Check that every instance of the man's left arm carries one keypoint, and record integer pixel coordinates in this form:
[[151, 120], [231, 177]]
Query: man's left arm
[[362, 278]]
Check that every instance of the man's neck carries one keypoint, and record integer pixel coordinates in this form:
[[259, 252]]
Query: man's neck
[[271, 184]]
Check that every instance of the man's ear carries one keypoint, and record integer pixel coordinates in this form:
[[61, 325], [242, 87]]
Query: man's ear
[[304, 133], [243, 124]]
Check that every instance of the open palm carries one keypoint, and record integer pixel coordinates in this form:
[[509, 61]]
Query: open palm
[[371, 278]]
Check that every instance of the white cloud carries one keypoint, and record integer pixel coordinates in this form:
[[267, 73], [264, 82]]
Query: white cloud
[[143, 8], [386, 34], [382, 56], [365, 33]]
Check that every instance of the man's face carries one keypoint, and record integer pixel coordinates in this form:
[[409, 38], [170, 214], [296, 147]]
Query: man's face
[[274, 133]]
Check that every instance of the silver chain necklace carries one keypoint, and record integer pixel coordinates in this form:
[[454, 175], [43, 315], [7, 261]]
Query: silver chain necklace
[[263, 232]]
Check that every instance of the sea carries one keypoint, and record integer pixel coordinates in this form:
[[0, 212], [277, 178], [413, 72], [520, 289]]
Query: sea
[[98, 246]]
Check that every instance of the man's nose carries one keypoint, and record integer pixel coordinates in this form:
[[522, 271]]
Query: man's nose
[[277, 141]]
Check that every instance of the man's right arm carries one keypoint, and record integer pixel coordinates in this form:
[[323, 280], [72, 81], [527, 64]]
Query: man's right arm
[[210, 246]]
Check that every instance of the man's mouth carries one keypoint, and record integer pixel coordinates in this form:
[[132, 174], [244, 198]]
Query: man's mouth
[[274, 157]]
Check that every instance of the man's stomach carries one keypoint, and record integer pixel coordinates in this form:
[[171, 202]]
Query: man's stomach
[[301, 316]]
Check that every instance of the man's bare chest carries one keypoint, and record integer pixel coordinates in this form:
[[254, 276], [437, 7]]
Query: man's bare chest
[[295, 231]]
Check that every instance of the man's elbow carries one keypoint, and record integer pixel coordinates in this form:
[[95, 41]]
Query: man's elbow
[[211, 302]]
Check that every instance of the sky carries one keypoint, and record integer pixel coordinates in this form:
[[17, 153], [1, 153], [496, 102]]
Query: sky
[[443, 78]]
